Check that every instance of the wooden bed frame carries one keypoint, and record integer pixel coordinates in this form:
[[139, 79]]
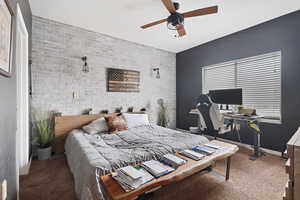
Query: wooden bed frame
[[64, 124]]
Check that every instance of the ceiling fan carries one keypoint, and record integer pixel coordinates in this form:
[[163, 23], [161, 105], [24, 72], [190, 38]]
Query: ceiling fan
[[176, 20]]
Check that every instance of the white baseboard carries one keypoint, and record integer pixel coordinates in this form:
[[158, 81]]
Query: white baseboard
[[247, 146], [25, 170]]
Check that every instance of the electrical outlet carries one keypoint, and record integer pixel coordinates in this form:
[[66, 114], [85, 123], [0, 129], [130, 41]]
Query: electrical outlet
[[4, 190]]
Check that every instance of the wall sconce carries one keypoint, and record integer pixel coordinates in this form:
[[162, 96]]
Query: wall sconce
[[157, 72], [85, 67]]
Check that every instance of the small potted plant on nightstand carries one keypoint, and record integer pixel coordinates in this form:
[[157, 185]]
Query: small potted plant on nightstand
[[43, 140]]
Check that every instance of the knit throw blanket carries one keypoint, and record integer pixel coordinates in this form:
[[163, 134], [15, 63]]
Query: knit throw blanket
[[139, 144]]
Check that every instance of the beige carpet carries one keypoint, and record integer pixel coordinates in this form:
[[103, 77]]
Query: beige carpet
[[263, 179]]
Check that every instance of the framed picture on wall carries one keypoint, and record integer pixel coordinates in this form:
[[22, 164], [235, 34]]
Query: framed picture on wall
[[121, 80], [5, 38]]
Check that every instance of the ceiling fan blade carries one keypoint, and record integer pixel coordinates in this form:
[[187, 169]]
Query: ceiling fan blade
[[202, 11], [169, 5], [154, 23], [181, 31]]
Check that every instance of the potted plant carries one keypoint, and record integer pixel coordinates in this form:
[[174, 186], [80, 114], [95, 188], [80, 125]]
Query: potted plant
[[43, 140], [163, 119]]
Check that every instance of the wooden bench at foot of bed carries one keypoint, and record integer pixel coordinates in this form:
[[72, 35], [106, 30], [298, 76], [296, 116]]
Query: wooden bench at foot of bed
[[116, 192]]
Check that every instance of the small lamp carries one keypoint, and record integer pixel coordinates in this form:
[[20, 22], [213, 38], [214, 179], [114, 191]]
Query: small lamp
[[157, 72]]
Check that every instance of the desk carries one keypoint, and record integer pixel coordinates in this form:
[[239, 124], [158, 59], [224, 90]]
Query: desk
[[238, 119]]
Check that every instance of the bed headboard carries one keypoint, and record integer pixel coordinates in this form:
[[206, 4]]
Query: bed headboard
[[64, 124]]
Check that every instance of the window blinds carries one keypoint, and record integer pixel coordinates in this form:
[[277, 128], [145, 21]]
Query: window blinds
[[218, 77], [258, 76]]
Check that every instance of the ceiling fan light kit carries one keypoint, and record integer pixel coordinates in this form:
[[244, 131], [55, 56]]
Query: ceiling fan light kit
[[176, 20]]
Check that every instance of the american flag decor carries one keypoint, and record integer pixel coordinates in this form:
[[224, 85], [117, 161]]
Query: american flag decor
[[120, 80]]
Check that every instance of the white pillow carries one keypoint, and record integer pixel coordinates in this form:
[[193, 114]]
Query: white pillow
[[96, 126], [134, 120]]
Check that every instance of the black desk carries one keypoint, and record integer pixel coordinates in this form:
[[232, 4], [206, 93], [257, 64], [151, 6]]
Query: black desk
[[237, 119]]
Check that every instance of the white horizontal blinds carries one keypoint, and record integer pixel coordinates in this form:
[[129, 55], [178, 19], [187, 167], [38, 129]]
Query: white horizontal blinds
[[260, 79], [218, 77]]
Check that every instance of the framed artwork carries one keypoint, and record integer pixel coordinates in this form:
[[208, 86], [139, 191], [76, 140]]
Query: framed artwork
[[120, 80], [5, 38]]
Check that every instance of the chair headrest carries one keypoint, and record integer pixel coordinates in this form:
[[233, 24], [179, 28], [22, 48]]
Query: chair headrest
[[204, 99]]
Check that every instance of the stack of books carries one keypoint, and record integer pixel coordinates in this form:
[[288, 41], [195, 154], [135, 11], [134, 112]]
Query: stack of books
[[172, 160], [131, 178], [214, 146], [156, 168], [204, 150], [192, 154]]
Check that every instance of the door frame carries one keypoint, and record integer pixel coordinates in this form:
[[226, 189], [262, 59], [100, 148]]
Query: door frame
[[22, 81]]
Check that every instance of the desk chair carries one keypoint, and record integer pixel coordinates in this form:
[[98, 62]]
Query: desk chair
[[211, 120]]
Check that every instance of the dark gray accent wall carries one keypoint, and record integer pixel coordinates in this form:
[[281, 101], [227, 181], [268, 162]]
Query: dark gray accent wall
[[8, 109], [283, 34]]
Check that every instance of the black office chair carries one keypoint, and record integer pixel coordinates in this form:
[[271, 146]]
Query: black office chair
[[211, 121]]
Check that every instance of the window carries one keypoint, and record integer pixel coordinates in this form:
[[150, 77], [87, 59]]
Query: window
[[219, 77], [258, 76]]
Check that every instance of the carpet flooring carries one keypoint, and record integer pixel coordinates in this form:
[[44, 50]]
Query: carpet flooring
[[263, 179]]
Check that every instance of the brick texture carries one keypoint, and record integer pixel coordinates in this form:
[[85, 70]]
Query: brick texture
[[57, 71]]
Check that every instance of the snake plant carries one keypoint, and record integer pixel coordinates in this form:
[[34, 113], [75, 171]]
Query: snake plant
[[44, 127], [163, 119]]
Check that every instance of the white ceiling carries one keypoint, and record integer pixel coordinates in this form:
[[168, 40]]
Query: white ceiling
[[123, 18]]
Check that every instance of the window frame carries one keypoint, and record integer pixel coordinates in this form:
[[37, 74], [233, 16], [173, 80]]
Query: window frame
[[241, 60]]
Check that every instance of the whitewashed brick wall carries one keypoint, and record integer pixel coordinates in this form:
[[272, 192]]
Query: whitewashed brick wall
[[57, 71]]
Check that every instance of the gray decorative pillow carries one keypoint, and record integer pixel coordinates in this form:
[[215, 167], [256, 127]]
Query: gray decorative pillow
[[135, 120], [96, 126]]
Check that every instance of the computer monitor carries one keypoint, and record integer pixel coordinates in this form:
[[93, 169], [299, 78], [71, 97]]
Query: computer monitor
[[227, 96]]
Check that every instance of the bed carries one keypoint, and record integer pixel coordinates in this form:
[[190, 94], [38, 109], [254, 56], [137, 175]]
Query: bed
[[90, 156]]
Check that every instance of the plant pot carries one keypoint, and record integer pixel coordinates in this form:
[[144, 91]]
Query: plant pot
[[44, 153]]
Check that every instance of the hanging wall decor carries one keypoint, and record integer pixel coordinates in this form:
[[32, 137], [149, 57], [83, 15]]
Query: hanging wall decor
[[5, 38], [120, 80]]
